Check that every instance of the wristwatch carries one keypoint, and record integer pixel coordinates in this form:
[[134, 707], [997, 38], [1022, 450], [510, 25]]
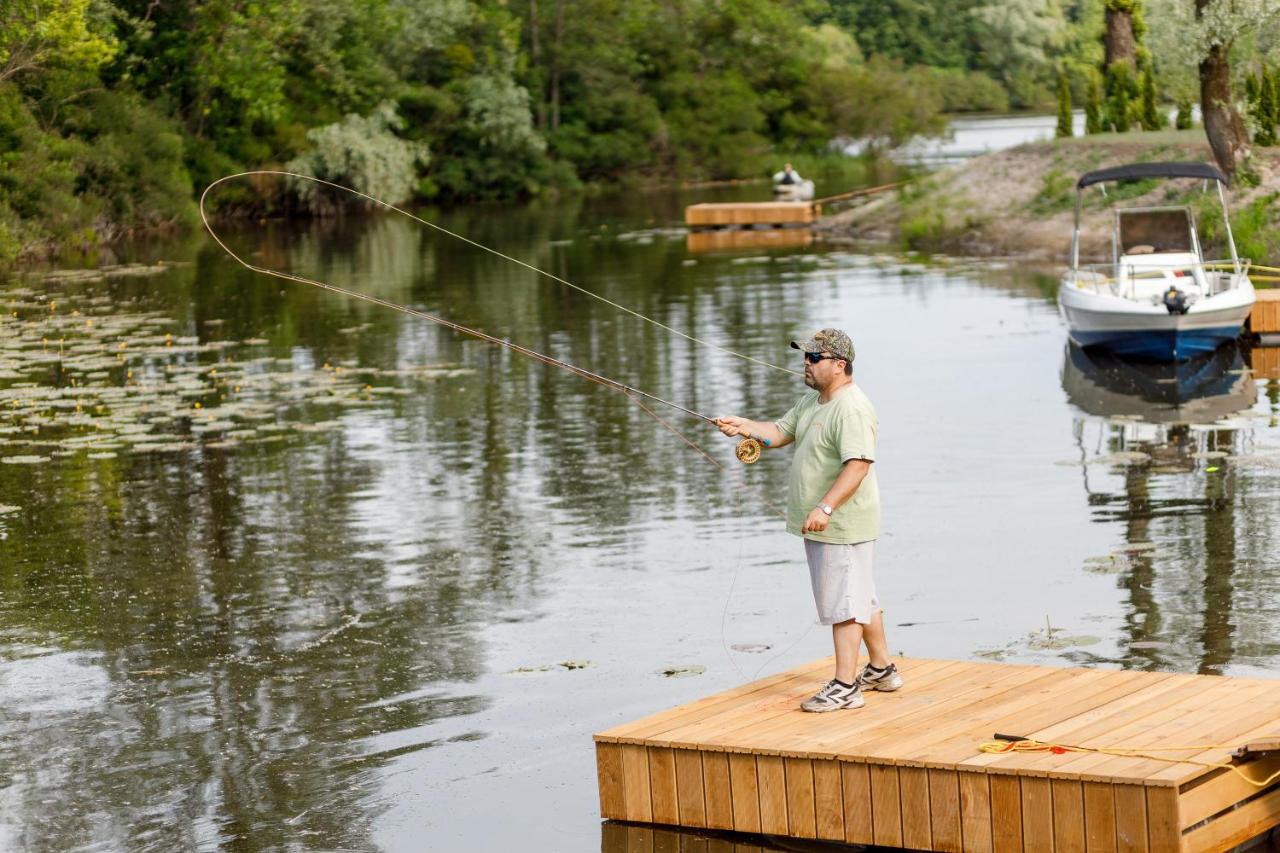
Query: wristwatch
[[827, 508]]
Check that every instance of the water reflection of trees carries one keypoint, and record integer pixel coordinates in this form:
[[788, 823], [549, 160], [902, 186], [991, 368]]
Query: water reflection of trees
[[1198, 559], [274, 622]]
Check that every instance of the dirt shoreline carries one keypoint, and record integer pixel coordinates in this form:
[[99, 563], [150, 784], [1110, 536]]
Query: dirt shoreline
[[1019, 202]]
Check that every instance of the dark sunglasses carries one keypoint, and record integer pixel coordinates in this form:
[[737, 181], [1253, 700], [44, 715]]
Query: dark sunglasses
[[815, 357]]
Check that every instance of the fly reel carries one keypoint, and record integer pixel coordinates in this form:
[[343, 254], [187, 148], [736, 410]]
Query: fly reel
[[748, 450]]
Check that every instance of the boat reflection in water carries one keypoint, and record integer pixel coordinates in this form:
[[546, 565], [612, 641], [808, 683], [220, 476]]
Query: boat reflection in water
[[1200, 390], [1158, 444], [1172, 411]]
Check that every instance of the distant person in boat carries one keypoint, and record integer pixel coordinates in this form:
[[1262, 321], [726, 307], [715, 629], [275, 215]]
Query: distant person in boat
[[833, 502], [787, 177]]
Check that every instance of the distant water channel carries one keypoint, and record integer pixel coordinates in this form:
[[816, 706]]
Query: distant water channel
[[280, 570]]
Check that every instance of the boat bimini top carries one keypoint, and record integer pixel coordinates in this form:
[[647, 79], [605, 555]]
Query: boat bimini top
[[1152, 229]]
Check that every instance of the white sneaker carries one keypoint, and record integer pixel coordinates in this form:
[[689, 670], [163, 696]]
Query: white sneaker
[[887, 679], [833, 697]]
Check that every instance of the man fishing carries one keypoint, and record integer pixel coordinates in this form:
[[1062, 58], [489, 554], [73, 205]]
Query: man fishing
[[834, 503]]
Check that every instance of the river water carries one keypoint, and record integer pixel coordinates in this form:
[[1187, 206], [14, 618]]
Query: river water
[[284, 570]]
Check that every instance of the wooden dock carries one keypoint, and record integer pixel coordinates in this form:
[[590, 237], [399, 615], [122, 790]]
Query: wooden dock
[[907, 771], [1265, 317], [751, 214], [1265, 362]]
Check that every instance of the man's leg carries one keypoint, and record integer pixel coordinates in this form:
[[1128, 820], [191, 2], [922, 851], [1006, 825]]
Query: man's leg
[[877, 646], [847, 638]]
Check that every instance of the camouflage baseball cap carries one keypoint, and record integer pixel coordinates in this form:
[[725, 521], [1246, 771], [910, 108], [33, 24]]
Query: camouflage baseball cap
[[833, 341]]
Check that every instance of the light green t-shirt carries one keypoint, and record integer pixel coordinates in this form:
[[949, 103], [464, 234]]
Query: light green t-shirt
[[826, 436]]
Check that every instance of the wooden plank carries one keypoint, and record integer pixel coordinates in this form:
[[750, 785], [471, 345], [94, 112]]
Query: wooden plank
[[1265, 362], [1181, 721], [1034, 708], [846, 735], [1006, 814], [913, 784], [1237, 826], [744, 787], [717, 790], [1068, 816], [749, 213], [1099, 818], [855, 780], [922, 718], [773, 794], [944, 810], [1245, 725], [1131, 819], [801, 809], [1037, 813], [662, 785], [1164, 829], [1100, 698], [613, 803], [689, 788], [886, 805], [975, 812], [1221, 790], [828, 799], [1110, 708], [783, 729], [649, 727], [635, 784]]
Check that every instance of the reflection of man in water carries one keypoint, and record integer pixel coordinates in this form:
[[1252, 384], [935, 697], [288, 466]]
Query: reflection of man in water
[[787, 176], [834, 503]]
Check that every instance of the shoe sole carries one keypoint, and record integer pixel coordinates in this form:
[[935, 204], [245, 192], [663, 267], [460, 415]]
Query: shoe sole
[[824, 710], [883, 687]]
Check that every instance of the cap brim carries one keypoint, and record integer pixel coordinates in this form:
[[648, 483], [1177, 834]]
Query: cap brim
[[806, 346]]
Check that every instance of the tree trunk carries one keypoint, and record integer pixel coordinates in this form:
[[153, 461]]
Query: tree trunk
[[1222, 124], [1118, 41], [555, 66], [540, 92]]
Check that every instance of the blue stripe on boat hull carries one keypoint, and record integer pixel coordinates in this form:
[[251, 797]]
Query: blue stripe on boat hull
[[1164, 345]]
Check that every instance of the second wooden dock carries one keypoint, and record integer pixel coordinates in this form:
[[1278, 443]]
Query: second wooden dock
[[751, 214], [908, 769]]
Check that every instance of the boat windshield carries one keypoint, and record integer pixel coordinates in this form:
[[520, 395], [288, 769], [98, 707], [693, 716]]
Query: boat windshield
[[1155, 230]]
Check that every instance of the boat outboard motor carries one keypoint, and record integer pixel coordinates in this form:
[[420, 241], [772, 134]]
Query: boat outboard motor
[[1175, 301]]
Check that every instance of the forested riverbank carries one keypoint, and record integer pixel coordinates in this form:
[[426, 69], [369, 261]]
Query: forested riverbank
[[115, 113]]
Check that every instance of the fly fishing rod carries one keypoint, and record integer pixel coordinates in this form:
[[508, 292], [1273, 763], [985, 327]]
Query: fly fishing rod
[[749, 448]]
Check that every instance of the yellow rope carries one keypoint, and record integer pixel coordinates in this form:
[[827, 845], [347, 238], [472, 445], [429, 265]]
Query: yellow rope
[[1029, 745]]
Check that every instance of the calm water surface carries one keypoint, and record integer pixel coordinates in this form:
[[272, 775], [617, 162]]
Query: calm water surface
[[380, 587]]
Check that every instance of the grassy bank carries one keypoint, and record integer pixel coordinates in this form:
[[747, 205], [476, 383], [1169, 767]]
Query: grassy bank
[[1020, 201]]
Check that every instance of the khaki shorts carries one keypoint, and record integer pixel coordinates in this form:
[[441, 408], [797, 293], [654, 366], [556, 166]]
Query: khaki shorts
[[843, 587]]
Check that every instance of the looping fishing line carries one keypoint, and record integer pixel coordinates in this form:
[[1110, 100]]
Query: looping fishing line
[[748, 450]]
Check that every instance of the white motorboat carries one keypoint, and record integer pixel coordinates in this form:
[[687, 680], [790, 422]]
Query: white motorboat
[[1158, 298], [799, 191]]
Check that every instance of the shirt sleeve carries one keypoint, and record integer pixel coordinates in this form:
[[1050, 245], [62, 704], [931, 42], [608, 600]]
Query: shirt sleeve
[[857, 436], [787, 423]]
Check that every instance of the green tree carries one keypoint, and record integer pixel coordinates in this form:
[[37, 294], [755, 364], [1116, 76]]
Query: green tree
[[1093, 118], [1183, 121], [1064, 106], [1152, 117], [1121, 88], [1267, 113], [36, 35]]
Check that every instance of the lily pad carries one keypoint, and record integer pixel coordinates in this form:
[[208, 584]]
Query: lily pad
[[24, 460], [686, 671]]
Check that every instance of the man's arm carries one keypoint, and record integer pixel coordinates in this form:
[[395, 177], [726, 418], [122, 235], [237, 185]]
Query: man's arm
[[847, 482], [766, 431]]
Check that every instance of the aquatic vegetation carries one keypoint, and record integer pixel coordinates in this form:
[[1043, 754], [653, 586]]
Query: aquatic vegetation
[[79, 374]]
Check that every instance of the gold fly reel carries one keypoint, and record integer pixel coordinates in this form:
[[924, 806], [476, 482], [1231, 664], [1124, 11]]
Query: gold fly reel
[[748, 450]]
